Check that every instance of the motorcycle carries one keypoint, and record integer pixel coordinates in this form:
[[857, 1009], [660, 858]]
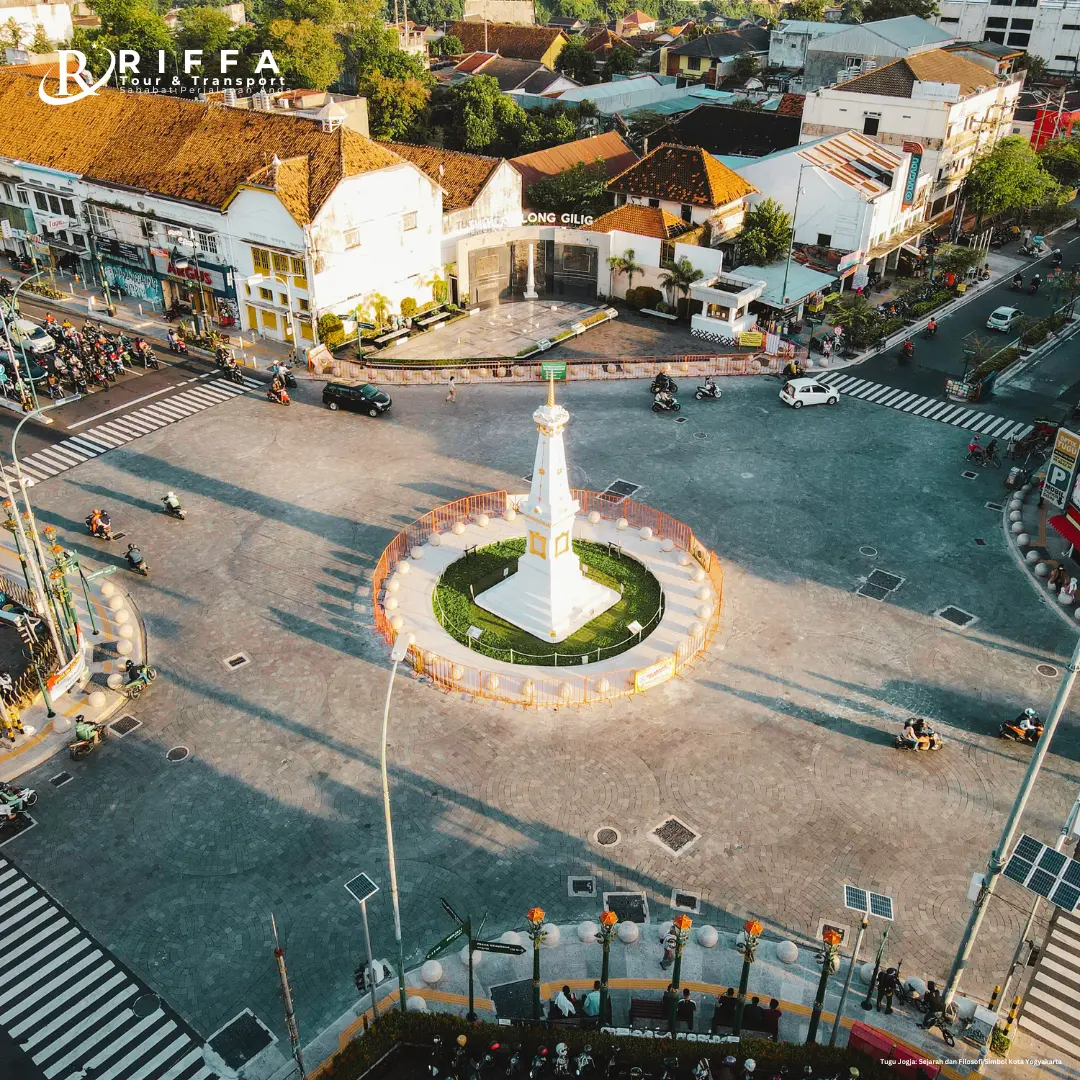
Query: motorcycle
[[280, 397], [1017, 284], [173, 509], [1034, 286], [136, 561], [907, 351], [931, 332], [1012, 731], [236, 375], [984, 455], [665, 405], [101, 530], [88, 735], [562, 1060], [929, 740], [178, 345], [710, 391], [539, 1063], [661, 383], [15, 800], [584, 1063], [139, 677]]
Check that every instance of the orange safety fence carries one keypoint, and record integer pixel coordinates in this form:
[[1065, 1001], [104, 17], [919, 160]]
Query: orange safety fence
[[566, 685], [592, 368]]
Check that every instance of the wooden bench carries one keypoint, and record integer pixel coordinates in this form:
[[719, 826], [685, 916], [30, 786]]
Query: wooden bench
[[391, 335], [646, 1009], [431, 320], [724, 1020]]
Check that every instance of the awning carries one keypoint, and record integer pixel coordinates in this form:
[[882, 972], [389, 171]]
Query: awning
[[1066, 528]]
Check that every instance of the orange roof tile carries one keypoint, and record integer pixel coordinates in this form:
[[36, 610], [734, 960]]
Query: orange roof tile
[[609, 149], [508, 39], [642, 221], [682, 174], [898, 78], [461, 176], [791, 105]]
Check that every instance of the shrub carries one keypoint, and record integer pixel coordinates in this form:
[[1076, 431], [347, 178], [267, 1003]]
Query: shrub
[[440, 290], [408, 307], [331, 331], [644, 296]]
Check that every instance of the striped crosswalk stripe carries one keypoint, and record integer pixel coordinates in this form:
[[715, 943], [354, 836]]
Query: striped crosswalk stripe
[[68, 1003], [930, 408], [59, 457], [1051, 1011]]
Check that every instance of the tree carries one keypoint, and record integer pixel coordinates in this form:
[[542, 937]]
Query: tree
[[579, 190], [205, 28], [746, 67], [127, 24], [954, 259], [395, 106], [484, 119], [1061, 159], [622, 60], [1035, 66], [806, 10], [641, 125], [876, 10], [679, 276], [576, 62], [766, 234], [448, 45], [40, 43], [12, 34], [1009, 177], [307, 54], [624, 264]]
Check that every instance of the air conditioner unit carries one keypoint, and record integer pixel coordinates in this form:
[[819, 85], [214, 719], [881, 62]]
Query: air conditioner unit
[[230, 96], [869, 65]]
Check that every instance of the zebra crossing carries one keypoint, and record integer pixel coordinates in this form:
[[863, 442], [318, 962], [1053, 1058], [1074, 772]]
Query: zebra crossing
[[946, 412], [1051, 1010], [74, 1009], [127, 426]]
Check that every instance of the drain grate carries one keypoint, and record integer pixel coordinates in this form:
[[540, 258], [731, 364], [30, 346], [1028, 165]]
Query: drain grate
[[629, 906], [60, 779], [527, 479], [868, 551], [967, 474], [680, 419], [607, 837], [686, 901], [580, 886], [623, 488], [125, 725], [1048, 671], [957, 616], [236, 661], [886, 581], [994, 506], [675, 835], [980, 542], [146, 1005], [875, 592], [244, 1037], [700, 435], [178, 753]]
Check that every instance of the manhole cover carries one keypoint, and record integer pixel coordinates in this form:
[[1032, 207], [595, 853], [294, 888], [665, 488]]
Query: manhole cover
[[884, 580], [178, 753], [629, 906], [674, 835], [700, 435], [981, 543], [241, 1039], [967, 474], [607, 837], [875, 592], [956, 616], [581, 886], [868, 551], [686, 901], [994, 506], [60, 779], [1047, 670], [680, 419], [125, 725], [623, 488], [146, 1005], [239, 660]]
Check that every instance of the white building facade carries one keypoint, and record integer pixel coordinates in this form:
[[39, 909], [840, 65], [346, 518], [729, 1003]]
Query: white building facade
[[53, 19], [1047, 30]]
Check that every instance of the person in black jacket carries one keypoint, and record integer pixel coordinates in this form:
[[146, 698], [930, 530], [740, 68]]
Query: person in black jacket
[[754, 1015]]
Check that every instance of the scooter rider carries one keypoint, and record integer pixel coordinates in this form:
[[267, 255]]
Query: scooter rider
[[1027, 721], [133, 556], [915, 731], [931, 328], [1036, 281], [1018, 281], [172, 503], [664, 397]]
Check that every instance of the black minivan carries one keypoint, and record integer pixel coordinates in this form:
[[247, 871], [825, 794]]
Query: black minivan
[[365, 398]]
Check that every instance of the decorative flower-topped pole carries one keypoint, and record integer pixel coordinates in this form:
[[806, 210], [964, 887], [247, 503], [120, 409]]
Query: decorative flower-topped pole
[[829, 958], [606, 936], [748, 947], [680, 927], [535, 930]]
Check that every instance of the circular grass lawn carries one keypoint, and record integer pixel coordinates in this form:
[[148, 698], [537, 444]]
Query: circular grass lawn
[[642, 602]]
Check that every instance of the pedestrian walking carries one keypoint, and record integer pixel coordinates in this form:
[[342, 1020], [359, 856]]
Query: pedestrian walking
[[886, 987], [90, 300], [452, 395], [826, 348], [669, 952]]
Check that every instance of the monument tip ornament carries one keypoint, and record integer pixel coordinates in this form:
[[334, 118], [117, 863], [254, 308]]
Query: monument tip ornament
[[549, 597]]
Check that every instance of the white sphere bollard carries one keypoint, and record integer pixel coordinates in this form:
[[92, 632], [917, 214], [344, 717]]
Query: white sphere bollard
[[685, 560], [551, 934], [435, 540], [697, 574], [645, 533], [667, 544], [126, 631], [693, 628], [1032, 557], [477, 957], [459, 528], [628, 932], [403, 567], [115, 603], [1017, 527], [703, 611], [482, 521], [492, 682], [707, 936], [866, 973], [431, 972], [594, 517], [115, 681], [510, 937], [509, 514], [586, 931], [1076, 614], [621, 524], [124, 648], [916, 985], [390, 603], [1016, 503], [393, 584], [665, 929], [1064, 599], [417, 553], [1016, 515], [61, 725], [397, 622], [415, 1004], [602, 686], [1026, 488], [787, 952], [1023, 540], [1041, 569], [704, 593], [458, 671], [122, 616], [107, 589]]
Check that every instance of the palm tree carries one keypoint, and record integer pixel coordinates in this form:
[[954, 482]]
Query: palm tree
[[624, 264], [679, 276]]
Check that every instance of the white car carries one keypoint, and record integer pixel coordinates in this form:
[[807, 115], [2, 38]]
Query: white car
[[800, 392], [36, 340], [1002, 318]]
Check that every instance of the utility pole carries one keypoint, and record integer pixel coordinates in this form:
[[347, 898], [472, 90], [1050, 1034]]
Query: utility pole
[[863, 925], [286, 996], [1008, 834], [791, 242]]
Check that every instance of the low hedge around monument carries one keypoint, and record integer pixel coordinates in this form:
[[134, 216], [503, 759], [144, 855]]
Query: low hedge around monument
[[642, 600]]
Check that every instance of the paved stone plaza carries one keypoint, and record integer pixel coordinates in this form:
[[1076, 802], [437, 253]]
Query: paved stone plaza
[[776, 749]]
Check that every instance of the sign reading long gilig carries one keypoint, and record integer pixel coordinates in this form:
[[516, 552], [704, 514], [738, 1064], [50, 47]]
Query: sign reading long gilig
[[1061, 468], [915, 149]]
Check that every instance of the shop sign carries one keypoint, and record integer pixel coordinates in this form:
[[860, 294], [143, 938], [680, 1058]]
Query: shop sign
[[553, 369], [63, 680], [851, 259], [647, 677], [533, 218], [117, 249], [5, 228], [1061, 468], [135, 283], [915, 149], [752, 339], [204, 275]]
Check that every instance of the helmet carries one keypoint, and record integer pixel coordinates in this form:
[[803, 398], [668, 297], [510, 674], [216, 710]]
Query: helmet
[[169, 495], [461, 1040], [749, 1065], [729, 1060], [853, 1073], [561, 1049], [1030, 712]]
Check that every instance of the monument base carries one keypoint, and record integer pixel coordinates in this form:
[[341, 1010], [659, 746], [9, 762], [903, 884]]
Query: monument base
[[533, 610]]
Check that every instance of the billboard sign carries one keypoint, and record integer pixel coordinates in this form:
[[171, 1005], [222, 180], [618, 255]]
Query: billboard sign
[[1061, 468]]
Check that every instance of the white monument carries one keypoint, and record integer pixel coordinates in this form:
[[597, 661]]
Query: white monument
[[549, 596]]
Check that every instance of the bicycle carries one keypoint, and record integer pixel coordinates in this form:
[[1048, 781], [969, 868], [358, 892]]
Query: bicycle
[[942, 1020]]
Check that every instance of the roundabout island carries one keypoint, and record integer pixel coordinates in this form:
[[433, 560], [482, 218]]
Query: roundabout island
[[548, 598]]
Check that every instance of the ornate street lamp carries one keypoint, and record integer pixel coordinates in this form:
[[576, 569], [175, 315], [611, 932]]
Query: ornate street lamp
[[606, 936], [680, 926], [829, 957], [748, 947], [535, 930]]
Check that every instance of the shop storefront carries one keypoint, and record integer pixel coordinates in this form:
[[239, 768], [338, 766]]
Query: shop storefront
[[16, 224], [64, 248], [192, 286]]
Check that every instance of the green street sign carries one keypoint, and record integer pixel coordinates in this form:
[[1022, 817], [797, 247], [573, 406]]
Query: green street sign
[[450, 911], [499, 947], [105, 571], [445, 943], [553, 369]]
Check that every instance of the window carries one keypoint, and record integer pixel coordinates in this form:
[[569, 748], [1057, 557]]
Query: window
[[685, 211], [654, 203], [824, 239], [283, 299], [297, 267], [266, 294], [997, 24], [281, 263], [1022, 24], [1071, 59], [23, 197], [269, 320], [667, 252], [949, 19], [99, 220], [207, 242], [870, 125], [352, 238], [1019, 39], [304, 305], [1070, 26], [408, 221], [8, 196], [853, 61], [693, 63], [42, 201], [996, 36], [147, 227], [260, 260], [68, 207]]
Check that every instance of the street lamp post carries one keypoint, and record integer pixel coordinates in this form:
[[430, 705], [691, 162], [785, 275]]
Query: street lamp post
[[830, 961], [681, 926], [607, 933], [22, 343], [535, 930], [748, 947], [397, 654], [863, 925]]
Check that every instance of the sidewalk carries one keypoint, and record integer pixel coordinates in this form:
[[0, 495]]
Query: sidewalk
[[254, 351]]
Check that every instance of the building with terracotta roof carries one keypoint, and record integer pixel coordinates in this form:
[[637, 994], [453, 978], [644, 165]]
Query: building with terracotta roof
[[608, 152], [711, 58], [722, 129], [941, 107], [245, 218], [525, 76], [543, 43], [690, 184], [637, 22]]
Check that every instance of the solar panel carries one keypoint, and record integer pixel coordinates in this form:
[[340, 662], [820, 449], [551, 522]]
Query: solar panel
[[881, 906], [1052, 861], [1041, 882], [1018, 869], [1072, 873], [1028, 848], [1066, 896], [855, 898]]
